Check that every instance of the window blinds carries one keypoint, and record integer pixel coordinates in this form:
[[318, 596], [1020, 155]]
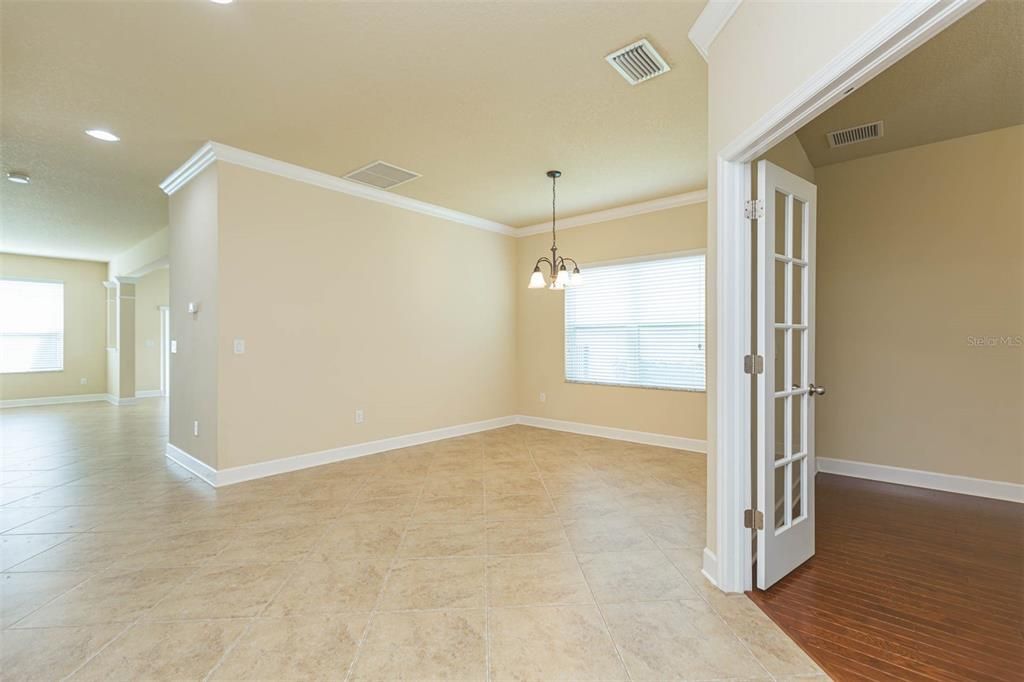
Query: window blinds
[[31, 326], [638, 324]]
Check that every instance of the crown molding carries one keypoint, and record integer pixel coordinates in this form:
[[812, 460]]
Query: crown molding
[[618, 212], [188, 170], [710, 22], [214, 151]]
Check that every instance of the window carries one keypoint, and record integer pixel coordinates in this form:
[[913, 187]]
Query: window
[[31, 326], [638, 324]]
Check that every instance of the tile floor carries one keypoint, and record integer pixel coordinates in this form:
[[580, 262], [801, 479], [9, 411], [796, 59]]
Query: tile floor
[[518, 553]]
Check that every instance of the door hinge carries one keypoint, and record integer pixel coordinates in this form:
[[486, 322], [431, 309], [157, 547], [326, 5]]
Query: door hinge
[[753, 209], [753, 519], [753, 364]]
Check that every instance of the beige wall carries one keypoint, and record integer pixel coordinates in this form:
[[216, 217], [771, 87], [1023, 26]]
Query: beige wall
[[541, 328], [152, 249], [790, 155], [349, 304], [84, 328], [765, 51], [151, 292], [194, 253], [919, 251]]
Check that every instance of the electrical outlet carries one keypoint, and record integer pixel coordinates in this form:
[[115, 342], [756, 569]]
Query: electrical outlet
[[150, 343], [83, 381], [195, 428], [360, 418], [543, 397]]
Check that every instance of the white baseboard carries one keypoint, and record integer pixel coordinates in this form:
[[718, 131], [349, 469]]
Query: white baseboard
[[248, 472], [155, 393], [54, 400], [114, 400], [709, 567], [659, 439], [965, 485], [187, 461]]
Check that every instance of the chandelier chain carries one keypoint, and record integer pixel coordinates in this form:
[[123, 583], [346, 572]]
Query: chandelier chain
[[553, 238]]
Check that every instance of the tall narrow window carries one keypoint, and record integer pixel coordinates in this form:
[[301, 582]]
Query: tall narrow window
[[31, 326], [638, 324]]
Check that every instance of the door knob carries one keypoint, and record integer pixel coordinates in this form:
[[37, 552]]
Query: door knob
[[816, 390]]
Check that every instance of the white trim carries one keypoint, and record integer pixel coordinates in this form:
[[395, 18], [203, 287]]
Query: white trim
[[732, 395], [190, 463], [125, 279], [195, 165], [248, 472], [223, 477], [114, 400], [612, 433], [626, 211], [964, 485], [53, 400], [709, 566], [911, 23], [152, 393], [712, 19], [214, 151]]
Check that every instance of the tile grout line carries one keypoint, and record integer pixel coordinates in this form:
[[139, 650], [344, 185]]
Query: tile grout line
[[384, 583], [252, 620], [187, 580], [703, 598], [129, 625], [579, 567]]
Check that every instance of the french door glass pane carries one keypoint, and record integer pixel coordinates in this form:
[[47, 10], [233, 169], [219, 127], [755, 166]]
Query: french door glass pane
[[780, 291], [780, 428], [798, 228], [780, 224], [798, 288]]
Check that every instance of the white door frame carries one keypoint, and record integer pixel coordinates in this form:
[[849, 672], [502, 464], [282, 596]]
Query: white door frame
[[907, 26]]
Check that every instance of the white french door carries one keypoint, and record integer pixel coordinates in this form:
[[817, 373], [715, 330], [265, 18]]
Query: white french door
[[785, 389]]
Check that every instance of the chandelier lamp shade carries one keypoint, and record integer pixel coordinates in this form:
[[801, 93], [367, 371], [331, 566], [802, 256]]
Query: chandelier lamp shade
[[559, 275]]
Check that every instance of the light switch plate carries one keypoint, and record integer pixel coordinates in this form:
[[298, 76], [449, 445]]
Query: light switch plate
[[174, 346], [239, 346]]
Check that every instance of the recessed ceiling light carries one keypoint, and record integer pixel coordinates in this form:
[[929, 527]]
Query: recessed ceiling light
[[222, 2], [20, 178], [104, 135]]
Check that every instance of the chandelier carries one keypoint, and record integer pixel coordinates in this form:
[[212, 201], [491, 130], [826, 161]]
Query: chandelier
[[558, 265]]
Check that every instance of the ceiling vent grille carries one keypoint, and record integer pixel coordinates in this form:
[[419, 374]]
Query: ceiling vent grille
[[382, 175], [638, 62], [863, 133]]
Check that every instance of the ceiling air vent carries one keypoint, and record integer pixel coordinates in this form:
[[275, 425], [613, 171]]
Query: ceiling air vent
[[382, 175], [638, 62], [868, 131]]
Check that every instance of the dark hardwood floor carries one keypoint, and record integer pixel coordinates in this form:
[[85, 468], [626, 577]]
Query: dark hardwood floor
[[907, 584]]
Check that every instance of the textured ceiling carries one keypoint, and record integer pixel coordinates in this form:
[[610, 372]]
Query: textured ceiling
[[481, 98], [966, 80]]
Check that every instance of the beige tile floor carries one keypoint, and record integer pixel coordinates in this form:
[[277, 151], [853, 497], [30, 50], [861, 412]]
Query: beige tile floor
[[518, 553]]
